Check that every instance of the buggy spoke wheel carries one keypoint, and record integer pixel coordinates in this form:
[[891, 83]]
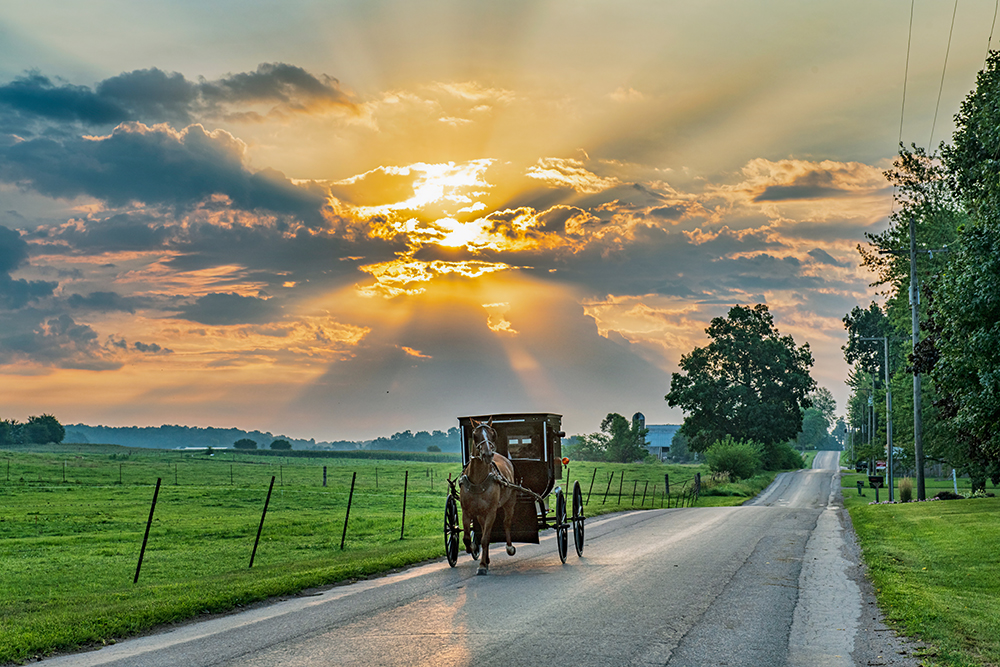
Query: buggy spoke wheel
[[578, 518], [562, 539], [451, 530]]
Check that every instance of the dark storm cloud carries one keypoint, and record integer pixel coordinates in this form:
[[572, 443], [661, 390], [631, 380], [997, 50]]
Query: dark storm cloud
[[116, 233], [153, 95], [821, 256], [674, 212], [57, 341], [151, 348], [155, 166], [812, 185], [226, 308], [36, 95], [18, 293], [103, 302]]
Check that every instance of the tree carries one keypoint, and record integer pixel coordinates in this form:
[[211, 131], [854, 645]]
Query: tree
[[281, 443], [627, 440], [748, 382], [44, 429], [618, 440], [245, 443]]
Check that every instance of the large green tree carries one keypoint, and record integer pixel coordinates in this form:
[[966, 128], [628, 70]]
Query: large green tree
[[749, 382], [618, 440]]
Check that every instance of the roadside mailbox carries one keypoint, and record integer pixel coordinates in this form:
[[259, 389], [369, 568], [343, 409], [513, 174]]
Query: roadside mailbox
[[876, 482]]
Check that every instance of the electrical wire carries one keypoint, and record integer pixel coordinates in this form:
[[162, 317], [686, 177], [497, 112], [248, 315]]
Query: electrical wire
[[930, 142], [989, 42]]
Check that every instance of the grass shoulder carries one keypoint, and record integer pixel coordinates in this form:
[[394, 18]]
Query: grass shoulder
[[933, 565]]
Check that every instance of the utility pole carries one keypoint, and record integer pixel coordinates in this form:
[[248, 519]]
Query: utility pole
[[918, 424], [888, 415]]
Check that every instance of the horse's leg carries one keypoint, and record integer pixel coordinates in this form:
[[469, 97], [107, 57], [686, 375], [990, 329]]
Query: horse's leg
[[487, 524], [508, 519], [466, 523]]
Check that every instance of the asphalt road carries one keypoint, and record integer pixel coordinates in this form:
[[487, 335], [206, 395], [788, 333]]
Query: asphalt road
[[771, 583]]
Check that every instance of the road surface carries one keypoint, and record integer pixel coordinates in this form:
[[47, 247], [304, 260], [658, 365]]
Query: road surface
[[770, 583]]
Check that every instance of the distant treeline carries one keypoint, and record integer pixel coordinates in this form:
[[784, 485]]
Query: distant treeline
[[174, 437], [425, 456]]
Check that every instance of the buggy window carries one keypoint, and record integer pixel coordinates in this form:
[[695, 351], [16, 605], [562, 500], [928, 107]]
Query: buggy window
[[524, 442]]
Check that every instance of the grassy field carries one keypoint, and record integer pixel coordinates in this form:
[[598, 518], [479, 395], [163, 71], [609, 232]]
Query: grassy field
[[72, 519], [934, 566]]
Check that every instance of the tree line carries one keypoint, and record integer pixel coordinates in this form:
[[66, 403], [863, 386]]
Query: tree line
[[37, 430], [951, 197]]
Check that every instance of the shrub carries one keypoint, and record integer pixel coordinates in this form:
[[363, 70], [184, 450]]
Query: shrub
[[281, 443], [738, 458], [905, 490], [782, 456]]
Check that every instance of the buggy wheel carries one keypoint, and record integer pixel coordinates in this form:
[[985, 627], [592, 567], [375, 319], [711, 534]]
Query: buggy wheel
[[562, 538], [451, 530], [578, 518]]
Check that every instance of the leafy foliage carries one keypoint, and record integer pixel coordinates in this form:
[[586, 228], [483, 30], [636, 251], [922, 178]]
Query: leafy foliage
[[749, 382], [281, 443], [740, 459], [618, 441], [37, 430], [245, 443]]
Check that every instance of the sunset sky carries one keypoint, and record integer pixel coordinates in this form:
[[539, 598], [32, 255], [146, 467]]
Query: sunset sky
[[338, 220]]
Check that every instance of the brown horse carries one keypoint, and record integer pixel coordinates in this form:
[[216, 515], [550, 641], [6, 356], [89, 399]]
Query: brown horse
[[484, 492]]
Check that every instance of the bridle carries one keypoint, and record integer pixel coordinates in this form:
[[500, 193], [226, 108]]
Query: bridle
[[486, 447]]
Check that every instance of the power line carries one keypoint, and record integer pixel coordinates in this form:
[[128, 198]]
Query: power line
[[930, 142], [989, 42], [906, 72]]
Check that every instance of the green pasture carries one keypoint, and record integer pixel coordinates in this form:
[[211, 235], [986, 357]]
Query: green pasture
[[934, 565], [72, 519]]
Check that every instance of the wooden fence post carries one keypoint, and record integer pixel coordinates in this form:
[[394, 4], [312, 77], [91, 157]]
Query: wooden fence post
[[149, 522], [609, 487], [267, 501], [591, 486], [406, 482], [350, 497]]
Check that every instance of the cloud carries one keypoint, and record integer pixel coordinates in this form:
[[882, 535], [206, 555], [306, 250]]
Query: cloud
[[154, 165], [57, 341], [155, 95], [151, 348], [570, 173], [103, 302], [36, 95], [14, 254], [222, 309]]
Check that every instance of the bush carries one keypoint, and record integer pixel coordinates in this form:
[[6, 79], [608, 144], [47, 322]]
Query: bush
[[738, 458], [782, 456], [281, 443], [245, 443], [905, 490]]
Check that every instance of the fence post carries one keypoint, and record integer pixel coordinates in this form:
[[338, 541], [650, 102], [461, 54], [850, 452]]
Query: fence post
[[591, 486], [635, 483], [621, 480], [267, 501], [406, 482], [609, 487], [643, 504], [149, 522], [666, 483], [350, 497], [324, 477]]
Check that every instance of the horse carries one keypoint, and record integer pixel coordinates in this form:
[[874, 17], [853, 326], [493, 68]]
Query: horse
[[485, 489]]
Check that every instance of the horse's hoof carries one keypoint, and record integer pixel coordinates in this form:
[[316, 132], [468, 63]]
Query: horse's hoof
[[483, 570], [511, 550]]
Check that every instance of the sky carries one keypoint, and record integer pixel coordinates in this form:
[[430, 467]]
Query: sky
[[339, 220]]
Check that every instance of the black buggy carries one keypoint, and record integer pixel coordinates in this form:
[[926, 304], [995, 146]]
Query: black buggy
[[532, 442]]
